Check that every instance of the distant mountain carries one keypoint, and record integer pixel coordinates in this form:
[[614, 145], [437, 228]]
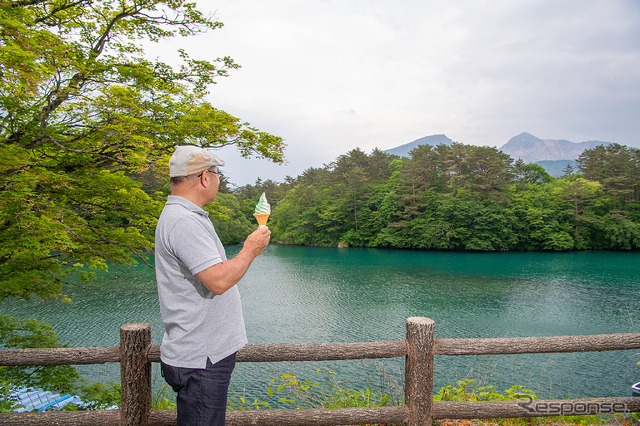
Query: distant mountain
[[554, 155], [556, 168], [403, 150], [532, 149]]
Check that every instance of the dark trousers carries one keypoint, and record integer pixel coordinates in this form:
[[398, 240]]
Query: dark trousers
[[202, 392]]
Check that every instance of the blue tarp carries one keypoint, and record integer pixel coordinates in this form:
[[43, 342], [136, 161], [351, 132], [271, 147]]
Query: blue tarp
[[39, 400]]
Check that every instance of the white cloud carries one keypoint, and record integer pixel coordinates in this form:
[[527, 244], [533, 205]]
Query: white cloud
[[333, 75]]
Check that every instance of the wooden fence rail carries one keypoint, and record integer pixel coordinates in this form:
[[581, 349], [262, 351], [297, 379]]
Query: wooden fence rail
[[136, 353]]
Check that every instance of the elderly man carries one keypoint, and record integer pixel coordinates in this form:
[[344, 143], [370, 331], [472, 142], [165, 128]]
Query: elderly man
[[199, 299]]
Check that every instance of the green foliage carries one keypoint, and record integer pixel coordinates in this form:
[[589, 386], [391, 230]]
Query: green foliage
[[616, 168], [161, 399], [85, 117], [100, 396], [340, 397], [455, 198], [8, 402], [230, 224], [530, 173], [465, 390], [289, 391]]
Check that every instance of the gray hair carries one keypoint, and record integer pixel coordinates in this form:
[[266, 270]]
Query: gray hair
[[179, 180]]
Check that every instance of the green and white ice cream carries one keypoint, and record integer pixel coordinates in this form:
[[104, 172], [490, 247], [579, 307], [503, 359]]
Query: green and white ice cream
[[262, 211], [263, 206]]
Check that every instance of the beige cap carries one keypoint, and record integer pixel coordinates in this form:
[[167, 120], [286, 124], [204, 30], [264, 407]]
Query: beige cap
[[188, 160]]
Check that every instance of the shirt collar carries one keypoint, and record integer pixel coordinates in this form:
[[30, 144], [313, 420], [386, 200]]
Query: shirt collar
[[180, 201]]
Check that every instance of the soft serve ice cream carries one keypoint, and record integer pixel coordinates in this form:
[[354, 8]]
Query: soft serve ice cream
[[262, 211]]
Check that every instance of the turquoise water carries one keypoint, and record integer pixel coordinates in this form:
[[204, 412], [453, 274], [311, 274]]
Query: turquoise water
[[302, 294]]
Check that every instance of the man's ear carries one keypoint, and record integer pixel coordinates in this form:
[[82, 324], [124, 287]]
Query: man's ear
[[203, 179]]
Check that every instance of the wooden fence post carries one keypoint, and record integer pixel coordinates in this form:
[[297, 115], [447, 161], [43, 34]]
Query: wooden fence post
[[135, 374], [418, 388]]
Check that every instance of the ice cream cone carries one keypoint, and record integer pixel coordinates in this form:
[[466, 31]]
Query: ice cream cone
[[262, 218]]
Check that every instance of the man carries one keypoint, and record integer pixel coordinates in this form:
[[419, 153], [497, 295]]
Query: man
[[199, 300]]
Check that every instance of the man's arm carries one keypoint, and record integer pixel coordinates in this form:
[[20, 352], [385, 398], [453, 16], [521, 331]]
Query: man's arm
[[222, 276]]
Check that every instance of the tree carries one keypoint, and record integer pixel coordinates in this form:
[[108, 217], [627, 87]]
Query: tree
[[616, 167], [230, 223], [417, 174], [82, 114], [580, 197], [530, 173], [567, 170], [489, 171], [355, 182], [379, 163], [453, 160], [486, 203], [350, 172], [540, 218]]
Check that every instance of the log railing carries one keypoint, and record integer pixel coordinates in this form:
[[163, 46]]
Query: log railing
[[136, 353]]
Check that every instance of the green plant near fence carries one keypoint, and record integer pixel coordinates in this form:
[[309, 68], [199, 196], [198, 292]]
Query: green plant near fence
[[290, 391]]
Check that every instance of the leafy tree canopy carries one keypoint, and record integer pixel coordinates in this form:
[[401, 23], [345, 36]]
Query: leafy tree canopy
[[458, 197], [83, 113]]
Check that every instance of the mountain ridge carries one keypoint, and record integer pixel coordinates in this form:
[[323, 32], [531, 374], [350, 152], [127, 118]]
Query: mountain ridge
[[532, 149], [524, 146], [403, 150]]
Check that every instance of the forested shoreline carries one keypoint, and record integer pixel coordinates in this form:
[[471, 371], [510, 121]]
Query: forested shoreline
[[457, 197]]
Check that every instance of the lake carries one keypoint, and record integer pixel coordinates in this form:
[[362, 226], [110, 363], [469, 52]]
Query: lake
[[307, 294]]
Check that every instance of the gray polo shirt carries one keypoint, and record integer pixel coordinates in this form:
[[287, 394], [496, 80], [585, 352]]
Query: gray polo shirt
[[198, 324]]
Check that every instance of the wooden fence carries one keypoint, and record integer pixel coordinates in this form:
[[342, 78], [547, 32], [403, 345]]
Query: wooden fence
[[136, 353]]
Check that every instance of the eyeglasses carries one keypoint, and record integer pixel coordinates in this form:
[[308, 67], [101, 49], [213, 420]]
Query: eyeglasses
[[210, 171]]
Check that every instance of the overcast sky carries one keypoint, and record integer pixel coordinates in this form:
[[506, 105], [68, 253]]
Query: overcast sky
[[329, 76]]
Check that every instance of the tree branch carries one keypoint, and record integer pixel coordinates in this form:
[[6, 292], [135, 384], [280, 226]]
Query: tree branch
[[55, 10]]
